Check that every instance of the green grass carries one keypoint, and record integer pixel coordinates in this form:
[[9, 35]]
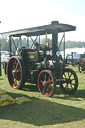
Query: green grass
[[59, 111]]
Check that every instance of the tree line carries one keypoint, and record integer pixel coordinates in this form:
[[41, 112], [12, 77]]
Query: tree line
[[4, 43]]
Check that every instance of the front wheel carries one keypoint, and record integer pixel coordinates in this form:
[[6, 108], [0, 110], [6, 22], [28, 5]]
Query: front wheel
[[71, 81], [46, 83]]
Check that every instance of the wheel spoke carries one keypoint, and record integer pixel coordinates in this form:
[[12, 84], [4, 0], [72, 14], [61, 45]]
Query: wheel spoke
[[45, 77], [66, 86], [12, 77], [70, 75], [49, 81], [16, 66], [18, 71], [71, 85], [49, 78], [42, 81], [43, 89], [72, 79]]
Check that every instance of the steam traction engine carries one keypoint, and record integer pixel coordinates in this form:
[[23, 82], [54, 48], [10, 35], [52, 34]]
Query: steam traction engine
[[39, 64]]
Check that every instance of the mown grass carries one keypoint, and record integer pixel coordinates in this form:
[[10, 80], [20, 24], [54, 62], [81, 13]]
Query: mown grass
[[59, 111]]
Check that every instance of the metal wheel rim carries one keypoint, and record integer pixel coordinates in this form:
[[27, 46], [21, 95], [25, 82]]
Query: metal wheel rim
[[45, 83], [69, 86], [14, 73]]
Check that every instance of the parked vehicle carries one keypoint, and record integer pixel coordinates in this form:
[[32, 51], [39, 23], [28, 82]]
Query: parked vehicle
[[81, 63], [5, 56]]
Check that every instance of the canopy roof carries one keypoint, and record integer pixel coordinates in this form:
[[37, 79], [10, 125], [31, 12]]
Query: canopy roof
[[41, 30]]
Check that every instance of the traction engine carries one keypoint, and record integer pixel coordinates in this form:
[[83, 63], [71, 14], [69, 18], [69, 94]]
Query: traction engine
[[43, 66]]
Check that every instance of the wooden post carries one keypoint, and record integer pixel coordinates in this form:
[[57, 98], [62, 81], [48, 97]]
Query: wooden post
[[10, 45]]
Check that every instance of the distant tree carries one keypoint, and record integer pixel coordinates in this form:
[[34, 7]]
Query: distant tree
[[5, 43]]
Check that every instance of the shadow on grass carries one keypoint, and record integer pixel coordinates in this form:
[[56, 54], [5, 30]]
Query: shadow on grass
[[77, 96], [58, 92], [41, 112], [30, 87]]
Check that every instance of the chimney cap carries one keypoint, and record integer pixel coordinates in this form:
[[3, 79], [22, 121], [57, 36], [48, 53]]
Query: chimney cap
[[54, 22]]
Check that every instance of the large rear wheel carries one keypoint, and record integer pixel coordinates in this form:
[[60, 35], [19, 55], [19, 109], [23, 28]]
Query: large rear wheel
[[71, 81], [46, 83], [16, 72]]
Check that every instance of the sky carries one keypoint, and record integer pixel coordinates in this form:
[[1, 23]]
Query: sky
[[20, 14]]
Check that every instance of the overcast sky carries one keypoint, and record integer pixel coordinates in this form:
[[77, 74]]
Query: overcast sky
[[19, 14]]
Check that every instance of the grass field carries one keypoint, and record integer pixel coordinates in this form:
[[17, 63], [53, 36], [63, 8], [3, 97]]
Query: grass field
[[59, 111]]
